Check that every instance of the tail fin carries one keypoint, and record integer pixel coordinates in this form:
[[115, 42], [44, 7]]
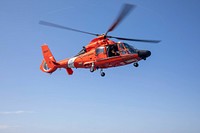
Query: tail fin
[[49, 64]]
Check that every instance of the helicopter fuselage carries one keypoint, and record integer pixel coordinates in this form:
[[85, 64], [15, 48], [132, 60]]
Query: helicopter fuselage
[[100, 53]]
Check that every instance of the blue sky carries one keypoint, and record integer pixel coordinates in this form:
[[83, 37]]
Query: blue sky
[[161, 95]]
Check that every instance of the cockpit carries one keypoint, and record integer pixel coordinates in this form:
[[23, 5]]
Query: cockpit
[[113, 49], [119, 49], [130, 48]]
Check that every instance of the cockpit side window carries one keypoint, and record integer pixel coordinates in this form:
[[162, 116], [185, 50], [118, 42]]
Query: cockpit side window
[[130, 49], [121, 46]]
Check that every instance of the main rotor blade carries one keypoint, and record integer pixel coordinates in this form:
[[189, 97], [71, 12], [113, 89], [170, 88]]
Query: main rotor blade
[[63, 27], [124, 12], [136, 40]]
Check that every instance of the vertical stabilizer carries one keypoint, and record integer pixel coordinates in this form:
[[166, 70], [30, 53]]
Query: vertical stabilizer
[[49, 64]]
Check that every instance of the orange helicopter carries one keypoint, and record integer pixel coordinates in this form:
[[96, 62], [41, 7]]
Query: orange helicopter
[[100, 53]]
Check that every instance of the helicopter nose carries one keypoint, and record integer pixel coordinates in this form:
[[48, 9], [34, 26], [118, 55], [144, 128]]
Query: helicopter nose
[[144, 54]]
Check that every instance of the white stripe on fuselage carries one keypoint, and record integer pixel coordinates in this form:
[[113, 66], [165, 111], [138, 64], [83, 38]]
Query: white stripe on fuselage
[[71, 62]]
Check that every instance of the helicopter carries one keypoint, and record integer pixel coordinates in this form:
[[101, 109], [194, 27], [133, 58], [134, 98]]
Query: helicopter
[[100, 53]]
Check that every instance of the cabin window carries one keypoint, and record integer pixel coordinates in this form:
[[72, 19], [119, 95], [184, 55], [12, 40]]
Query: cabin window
[[99, 50]]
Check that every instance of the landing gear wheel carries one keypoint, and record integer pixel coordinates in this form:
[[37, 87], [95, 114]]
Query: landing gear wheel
[[103, 74], [91, 69], [135, 64]]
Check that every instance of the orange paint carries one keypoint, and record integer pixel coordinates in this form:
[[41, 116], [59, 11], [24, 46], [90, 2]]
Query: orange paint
[[95, 56]]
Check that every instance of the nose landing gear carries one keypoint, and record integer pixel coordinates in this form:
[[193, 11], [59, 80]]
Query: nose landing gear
[[102, 73], [135, 64]]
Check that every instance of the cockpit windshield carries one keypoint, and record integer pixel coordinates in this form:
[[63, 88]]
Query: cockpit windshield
[[130, 48]]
